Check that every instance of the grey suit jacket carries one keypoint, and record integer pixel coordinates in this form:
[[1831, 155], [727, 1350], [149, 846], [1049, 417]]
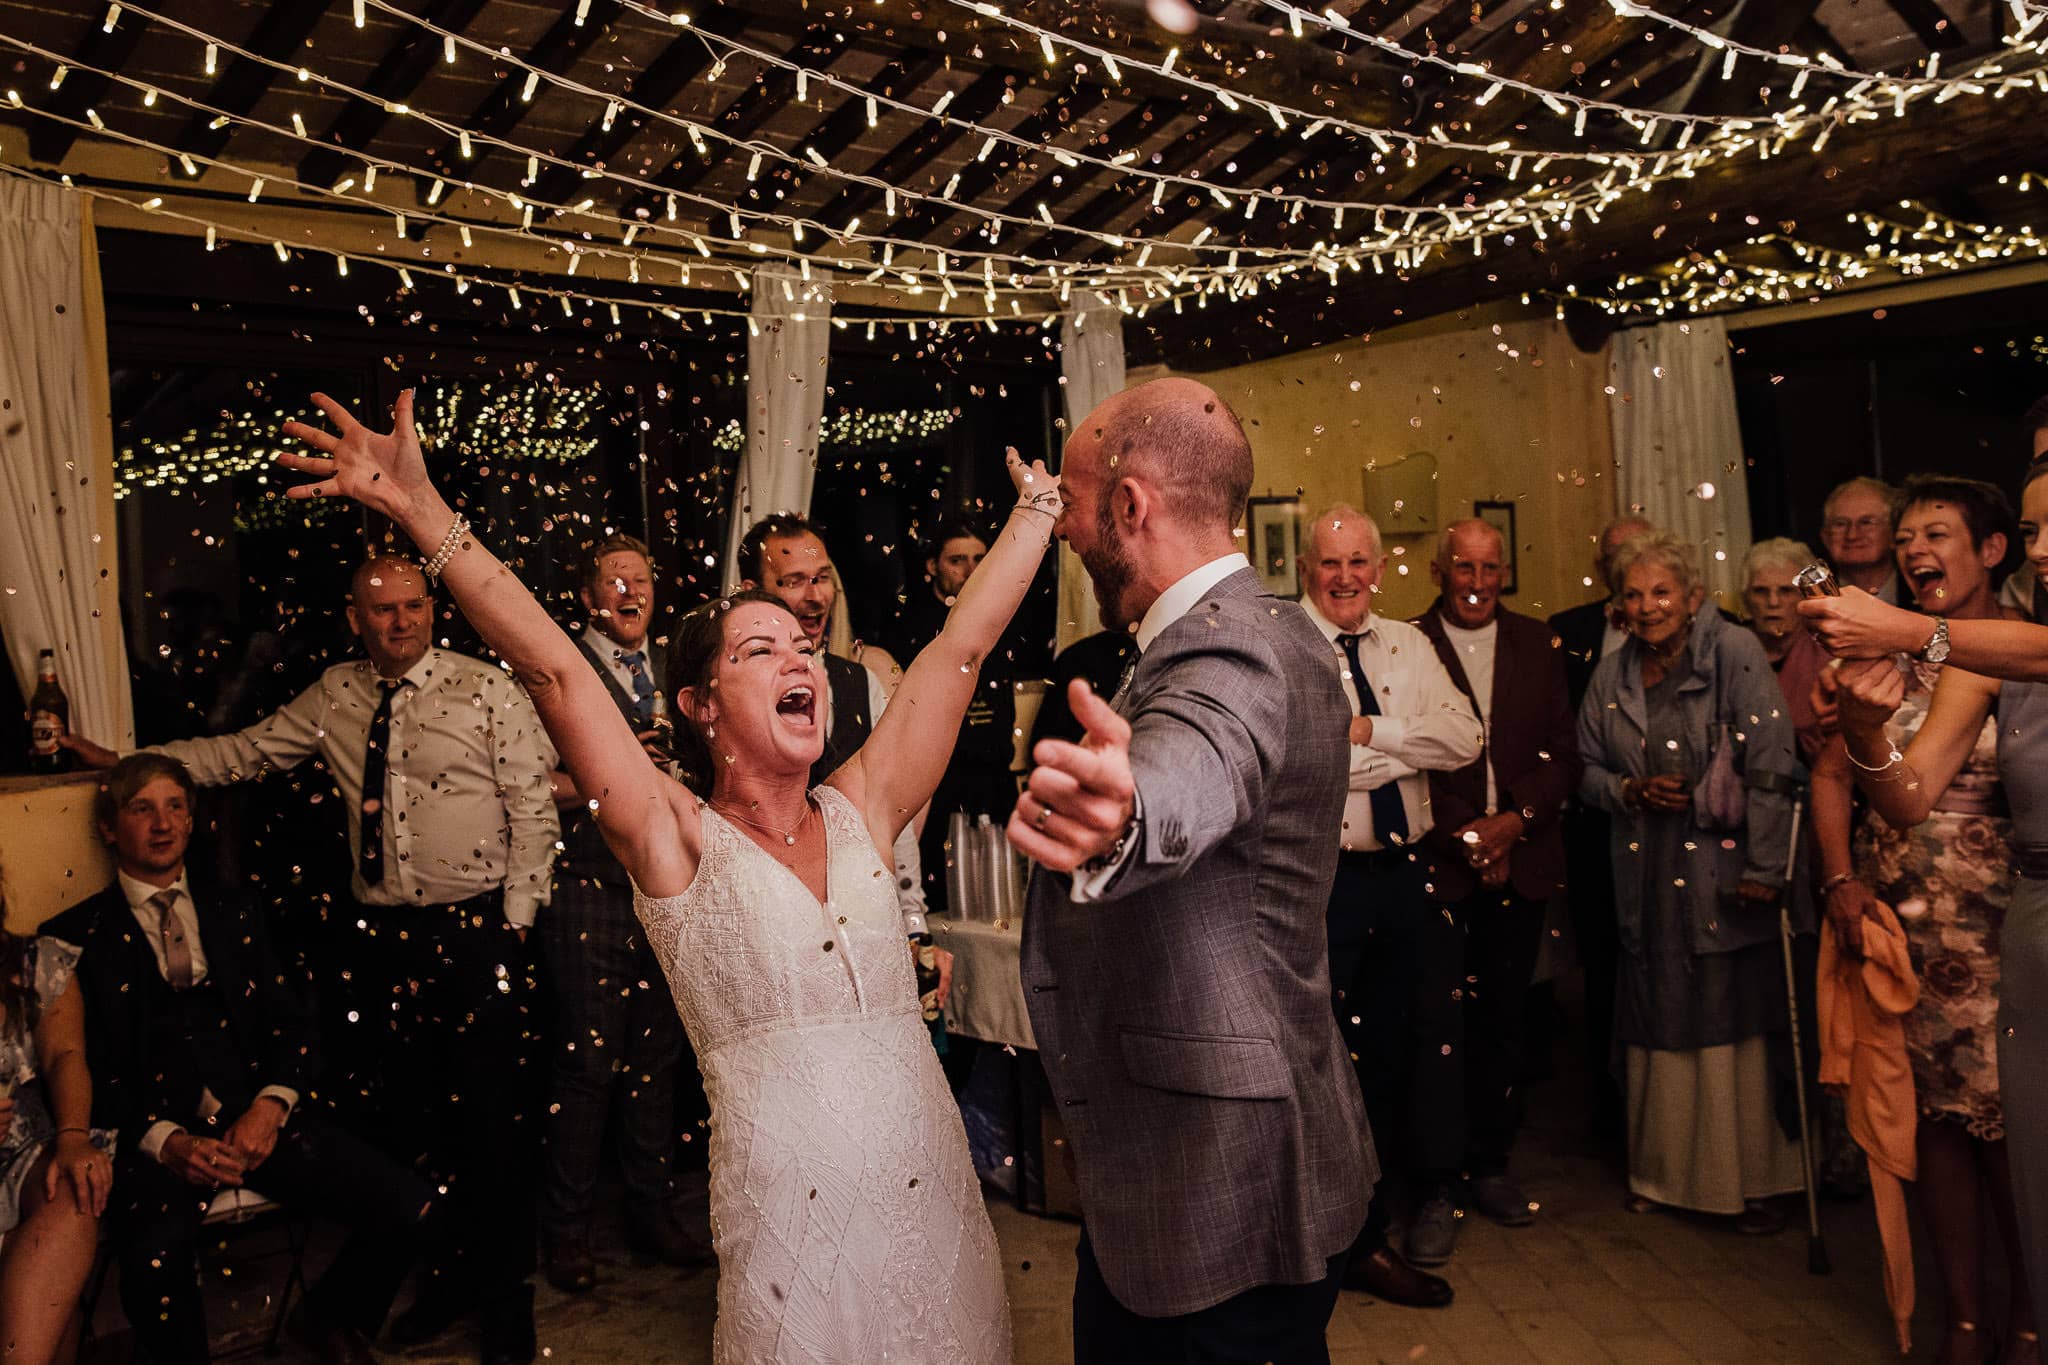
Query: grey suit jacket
[[1184, 1019]]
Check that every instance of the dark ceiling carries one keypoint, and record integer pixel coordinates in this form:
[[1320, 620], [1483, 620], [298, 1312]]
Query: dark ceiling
[[540, 85]]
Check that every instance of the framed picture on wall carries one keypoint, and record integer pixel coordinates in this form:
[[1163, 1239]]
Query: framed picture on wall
[[1272, 527], [1501, 516]]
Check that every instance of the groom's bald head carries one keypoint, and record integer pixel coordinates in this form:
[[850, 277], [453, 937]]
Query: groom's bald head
[[1179, 437]]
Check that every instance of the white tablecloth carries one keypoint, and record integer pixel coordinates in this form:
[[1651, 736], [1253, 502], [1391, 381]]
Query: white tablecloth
[[988, 997]]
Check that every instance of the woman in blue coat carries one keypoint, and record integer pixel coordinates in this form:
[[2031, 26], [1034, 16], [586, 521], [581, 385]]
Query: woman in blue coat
[[1688, 746]]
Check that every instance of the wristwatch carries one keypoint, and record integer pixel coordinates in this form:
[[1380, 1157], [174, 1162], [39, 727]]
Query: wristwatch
[[1936, 649]]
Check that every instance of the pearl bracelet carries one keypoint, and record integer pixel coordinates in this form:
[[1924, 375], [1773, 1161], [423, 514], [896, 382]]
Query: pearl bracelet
[[433, 567]]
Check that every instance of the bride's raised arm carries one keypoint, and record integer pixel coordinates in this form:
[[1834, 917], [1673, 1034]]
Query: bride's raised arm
[[899, 767], [635, 803]]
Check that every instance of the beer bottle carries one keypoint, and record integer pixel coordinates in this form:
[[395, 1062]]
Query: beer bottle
[[49, 715]]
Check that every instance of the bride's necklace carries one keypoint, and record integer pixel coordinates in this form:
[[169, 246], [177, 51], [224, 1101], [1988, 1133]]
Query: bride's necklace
[[787, 836]]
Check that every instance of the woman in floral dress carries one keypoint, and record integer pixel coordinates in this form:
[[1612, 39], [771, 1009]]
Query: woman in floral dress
[[1949, 879]]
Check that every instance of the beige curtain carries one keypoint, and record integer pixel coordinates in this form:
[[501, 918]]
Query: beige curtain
[[791, 330], [1092, 366], [1677, 443], [57, 583]]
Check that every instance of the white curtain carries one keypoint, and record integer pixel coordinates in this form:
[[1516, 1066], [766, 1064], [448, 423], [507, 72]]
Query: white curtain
[[1092, 368], [1677, 443], [56, 462], [791, 331]]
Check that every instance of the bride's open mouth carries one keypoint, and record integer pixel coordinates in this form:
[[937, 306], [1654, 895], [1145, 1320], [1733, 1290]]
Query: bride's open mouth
[[800, 703]]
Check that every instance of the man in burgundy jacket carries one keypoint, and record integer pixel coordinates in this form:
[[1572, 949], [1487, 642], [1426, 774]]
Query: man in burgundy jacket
[[1500, 860]]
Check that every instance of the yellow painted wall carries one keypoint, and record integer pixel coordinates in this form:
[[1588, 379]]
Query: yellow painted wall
[[50, 855], [1512, 411]]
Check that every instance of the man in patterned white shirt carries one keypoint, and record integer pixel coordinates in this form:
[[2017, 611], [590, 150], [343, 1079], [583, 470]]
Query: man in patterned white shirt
[[1408, 719], [427, 991]]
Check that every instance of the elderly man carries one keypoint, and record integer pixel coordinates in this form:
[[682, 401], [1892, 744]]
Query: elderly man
[[200, 1056], [444, 775], [1587, 634], [1174, 958], [618, 1039], [1499, 847], [1856, 531], [1408, 719]]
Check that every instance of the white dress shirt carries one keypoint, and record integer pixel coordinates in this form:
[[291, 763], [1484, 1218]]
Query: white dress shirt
[[186, 915], [1475, 649], [468, 806], [1425, 724], [1177, 601]]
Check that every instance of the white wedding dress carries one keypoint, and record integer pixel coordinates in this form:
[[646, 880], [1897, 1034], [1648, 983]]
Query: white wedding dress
[[844, 1208]]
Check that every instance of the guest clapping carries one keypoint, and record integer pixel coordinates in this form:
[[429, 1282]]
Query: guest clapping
[[1698, 870], [54, 1167]]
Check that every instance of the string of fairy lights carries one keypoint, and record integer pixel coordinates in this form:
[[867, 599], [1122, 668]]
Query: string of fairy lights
[[1012, 287], [1931, 243], [858, 429]]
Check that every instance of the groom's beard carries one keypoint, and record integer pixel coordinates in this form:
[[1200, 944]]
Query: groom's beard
[[1109, 568]]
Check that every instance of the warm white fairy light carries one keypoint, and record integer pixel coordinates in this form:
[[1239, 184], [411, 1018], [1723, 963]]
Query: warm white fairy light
[[1411, 245]]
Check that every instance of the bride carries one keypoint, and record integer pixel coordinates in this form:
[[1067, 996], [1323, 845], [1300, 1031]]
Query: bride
[[845, 1211]]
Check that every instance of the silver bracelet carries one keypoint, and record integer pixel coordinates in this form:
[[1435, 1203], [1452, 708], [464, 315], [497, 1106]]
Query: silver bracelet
[[1883, 767], [456, 531]]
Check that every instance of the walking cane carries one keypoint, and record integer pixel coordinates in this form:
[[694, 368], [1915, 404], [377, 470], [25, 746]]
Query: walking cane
[[1816, 1245]]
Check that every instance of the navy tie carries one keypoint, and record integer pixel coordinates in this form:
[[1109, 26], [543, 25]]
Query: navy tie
[[1389, 816], [643, 686]]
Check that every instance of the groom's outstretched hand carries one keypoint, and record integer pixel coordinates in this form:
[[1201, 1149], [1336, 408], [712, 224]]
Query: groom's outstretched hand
[[1080, 797]]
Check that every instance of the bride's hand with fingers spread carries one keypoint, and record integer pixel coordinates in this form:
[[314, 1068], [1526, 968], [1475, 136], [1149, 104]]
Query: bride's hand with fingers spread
[[383, 471]]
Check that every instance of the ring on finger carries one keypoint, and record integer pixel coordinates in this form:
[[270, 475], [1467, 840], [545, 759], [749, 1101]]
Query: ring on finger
[[1045, 813]]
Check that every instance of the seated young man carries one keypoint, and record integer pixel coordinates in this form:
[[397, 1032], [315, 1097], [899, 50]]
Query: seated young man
[[200, 1052]]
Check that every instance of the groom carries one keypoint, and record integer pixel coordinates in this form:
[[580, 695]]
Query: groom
[[1175, 957]]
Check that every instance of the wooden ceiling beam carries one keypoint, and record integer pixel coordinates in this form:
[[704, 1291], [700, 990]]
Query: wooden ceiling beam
[[656, 87], [1239, 54], [843, 127], [238, 89], [914, 153], [1930, 24], [1866, 165], [49, 140], [393, 81], [1133, 130], [742, 115], [501, 111]]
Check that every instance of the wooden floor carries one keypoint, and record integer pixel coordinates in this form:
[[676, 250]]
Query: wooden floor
[[1589, 1282]]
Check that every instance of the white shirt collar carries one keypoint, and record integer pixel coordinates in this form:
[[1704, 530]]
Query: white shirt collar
[[1328, 627], [139, 892], [1180, 599], [607, 648]]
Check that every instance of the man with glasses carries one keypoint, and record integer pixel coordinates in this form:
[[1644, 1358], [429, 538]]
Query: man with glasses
[[1856, 533]]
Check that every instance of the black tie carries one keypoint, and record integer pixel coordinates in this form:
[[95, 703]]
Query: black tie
[[376, 765], [1389, 816]]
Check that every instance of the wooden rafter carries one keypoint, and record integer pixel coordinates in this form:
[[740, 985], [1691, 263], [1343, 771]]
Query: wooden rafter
[[393, 82], [49, 140], [742, 116], [244, 82], [841, 128], [1931, 147], [502, 110], [656, 87], [901, 164]]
